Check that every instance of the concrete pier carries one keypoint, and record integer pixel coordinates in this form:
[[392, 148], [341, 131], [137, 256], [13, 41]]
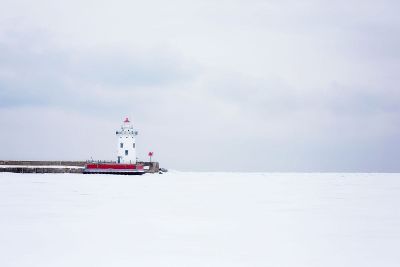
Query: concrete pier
[[42, 163], [57, 166]]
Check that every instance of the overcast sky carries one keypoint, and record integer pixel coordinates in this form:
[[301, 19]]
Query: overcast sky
[[274, 85]]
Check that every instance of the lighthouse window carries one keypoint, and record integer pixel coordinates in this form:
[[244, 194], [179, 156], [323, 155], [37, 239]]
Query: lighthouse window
[[133, 145], [126, 152], [121, 145]]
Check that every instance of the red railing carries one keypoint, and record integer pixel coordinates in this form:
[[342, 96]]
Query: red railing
[[114, 166]]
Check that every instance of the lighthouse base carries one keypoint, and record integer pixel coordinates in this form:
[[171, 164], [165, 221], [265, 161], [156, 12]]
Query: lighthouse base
[[114, 168]]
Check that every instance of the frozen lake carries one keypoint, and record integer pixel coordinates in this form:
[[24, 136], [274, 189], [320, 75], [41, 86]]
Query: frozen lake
[[200, 219]]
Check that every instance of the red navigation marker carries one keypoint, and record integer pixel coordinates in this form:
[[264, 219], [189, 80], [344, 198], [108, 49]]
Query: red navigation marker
[[150, 155], [126, 119]]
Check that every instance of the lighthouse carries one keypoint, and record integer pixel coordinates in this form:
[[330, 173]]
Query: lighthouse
[[126, 143], [126, 157]]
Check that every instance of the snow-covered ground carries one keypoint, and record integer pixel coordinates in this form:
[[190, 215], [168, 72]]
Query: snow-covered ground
[[200, 219]]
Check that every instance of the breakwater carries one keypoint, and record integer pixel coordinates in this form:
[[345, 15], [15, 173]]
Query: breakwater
[[18, 166]]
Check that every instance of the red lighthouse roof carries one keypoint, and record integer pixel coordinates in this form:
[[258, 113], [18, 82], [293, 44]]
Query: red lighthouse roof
[[126, 119]]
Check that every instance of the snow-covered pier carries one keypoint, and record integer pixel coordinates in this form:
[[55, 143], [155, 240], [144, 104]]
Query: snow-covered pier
[[42, 166], [57, 166]]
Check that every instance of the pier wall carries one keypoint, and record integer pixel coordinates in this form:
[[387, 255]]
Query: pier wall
[[25, 166], [42, 163], [24, 169]]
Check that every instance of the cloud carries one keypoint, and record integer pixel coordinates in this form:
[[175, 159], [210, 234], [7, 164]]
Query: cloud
[[259, 85], [35, 72]]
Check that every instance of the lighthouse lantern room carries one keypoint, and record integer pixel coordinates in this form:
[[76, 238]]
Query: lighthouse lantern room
[[126, 143]]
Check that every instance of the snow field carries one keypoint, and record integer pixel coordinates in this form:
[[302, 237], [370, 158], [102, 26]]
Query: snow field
[[200, 219]]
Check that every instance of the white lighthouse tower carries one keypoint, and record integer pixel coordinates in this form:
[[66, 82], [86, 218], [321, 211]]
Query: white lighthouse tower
[[126, 143]]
